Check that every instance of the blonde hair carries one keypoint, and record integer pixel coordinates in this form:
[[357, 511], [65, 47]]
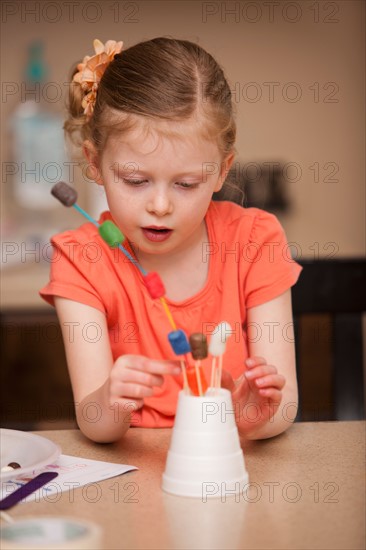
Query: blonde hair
[[156, 80]]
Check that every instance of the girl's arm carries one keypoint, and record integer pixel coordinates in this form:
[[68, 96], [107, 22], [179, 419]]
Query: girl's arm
[[265, 396], [105, 391], [271, 337]]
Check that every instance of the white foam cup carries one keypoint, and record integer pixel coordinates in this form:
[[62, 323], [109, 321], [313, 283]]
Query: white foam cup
[[205, 458]]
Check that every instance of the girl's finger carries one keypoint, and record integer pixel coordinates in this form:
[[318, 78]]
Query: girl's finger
[[127, 404], [260, 371], [134, 391], [240, 380], [139, 362], [163, 367], [273, 395], [255, 361], [276, 381], [140, 377]]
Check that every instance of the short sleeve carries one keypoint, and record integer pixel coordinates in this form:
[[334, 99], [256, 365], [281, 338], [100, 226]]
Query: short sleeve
[[74, 266], [271, 270]]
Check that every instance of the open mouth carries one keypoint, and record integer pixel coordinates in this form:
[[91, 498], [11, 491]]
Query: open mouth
[[157, 234]]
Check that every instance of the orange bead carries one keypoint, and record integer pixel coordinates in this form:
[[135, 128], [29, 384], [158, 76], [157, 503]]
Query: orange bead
[[192, 380]]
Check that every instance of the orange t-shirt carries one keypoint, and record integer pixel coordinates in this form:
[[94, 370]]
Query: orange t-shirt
[[249, 264]]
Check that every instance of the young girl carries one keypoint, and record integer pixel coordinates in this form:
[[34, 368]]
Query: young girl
[[157, 128]]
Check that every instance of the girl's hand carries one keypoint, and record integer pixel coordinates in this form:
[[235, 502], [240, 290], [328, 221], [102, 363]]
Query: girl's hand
[[256, 395], [133, 378]]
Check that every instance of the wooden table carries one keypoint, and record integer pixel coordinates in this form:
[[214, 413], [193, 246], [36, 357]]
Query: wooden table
[[307, 491]]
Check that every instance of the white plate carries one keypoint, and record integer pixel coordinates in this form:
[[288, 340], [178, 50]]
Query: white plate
[[31, 451]]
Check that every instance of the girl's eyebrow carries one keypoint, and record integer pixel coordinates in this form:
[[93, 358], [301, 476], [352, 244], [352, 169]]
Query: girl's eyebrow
[[132, 168]]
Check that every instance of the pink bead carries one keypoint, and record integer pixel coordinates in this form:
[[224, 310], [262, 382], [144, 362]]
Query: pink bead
[[154, 285]]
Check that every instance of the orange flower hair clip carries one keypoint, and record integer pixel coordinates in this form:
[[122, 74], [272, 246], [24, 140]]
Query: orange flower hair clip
[[91, 70]]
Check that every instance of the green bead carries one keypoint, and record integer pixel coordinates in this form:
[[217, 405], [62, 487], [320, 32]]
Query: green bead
[[110, 234]]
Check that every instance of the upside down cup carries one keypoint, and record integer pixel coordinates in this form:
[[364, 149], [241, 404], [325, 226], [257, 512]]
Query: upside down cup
[[205, 458]]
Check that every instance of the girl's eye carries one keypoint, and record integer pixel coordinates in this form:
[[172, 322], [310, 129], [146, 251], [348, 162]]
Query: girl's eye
[[133, 182], [187, 185], [179, 183]]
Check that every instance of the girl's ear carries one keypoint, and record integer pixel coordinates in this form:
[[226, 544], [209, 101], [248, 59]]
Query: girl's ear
[[225, 167], [92, 169]]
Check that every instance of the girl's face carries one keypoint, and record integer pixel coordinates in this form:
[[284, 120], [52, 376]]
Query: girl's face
[[159, 188]]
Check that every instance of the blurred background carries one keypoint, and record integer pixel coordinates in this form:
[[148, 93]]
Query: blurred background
[[296, 71]]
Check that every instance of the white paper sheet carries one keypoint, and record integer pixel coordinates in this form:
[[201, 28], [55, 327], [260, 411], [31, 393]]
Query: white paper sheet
[[74, 472]]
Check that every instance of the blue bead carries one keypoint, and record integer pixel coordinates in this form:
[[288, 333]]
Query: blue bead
[[178, 341]]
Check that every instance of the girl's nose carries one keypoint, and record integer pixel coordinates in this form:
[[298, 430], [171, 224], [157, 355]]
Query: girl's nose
[[160, 203]]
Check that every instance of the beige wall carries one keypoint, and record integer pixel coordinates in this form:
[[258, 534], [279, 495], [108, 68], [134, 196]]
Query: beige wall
[[324, 47]]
